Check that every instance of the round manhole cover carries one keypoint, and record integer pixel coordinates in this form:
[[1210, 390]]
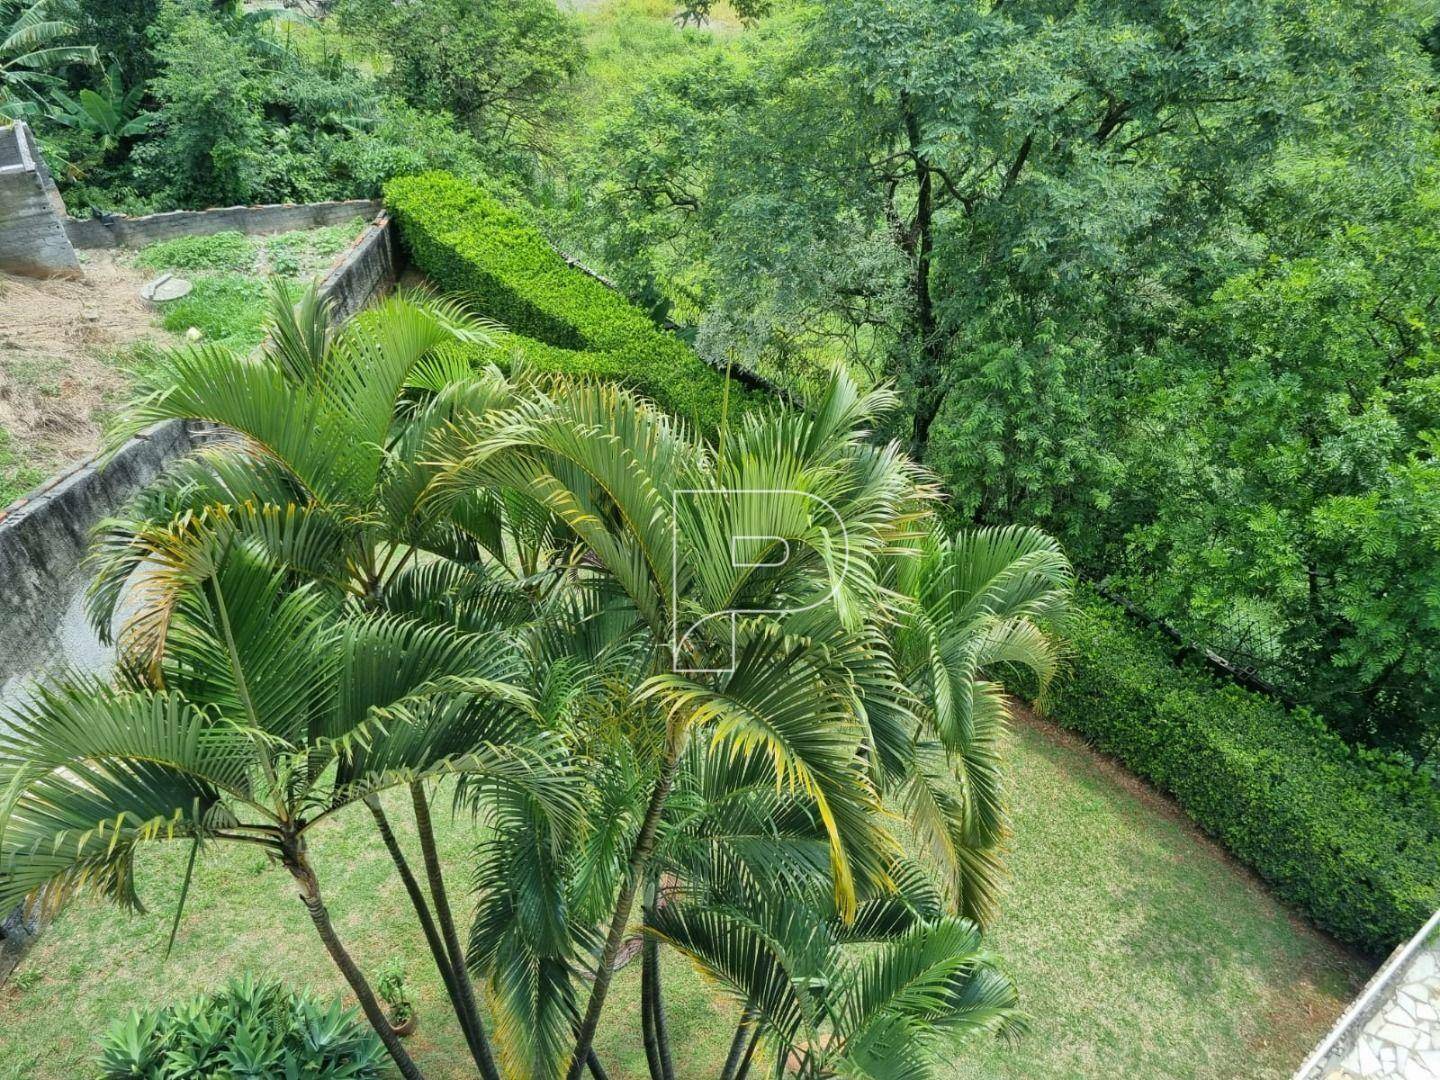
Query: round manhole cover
[[163, 289]]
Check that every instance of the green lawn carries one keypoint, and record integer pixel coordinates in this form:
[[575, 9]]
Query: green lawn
[[1140, 949]]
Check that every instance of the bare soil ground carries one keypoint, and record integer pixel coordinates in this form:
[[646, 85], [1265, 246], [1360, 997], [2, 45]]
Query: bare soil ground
[[59, 343]]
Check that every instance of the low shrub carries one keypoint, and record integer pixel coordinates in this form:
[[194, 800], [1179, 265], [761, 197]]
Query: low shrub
[[1351, 837], [560, 319], [251, 1028]]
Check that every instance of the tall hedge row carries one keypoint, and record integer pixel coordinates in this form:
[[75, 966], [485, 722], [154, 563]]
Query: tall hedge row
[[1350, 837], [559, 319]]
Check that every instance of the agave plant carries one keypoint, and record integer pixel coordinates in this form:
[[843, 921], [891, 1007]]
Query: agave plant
[[30, 53], [248, 1028]]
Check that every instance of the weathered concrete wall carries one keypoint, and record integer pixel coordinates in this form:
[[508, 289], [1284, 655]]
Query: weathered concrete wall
[[115, 230], [368, 268], [44, 536], [32, 234]]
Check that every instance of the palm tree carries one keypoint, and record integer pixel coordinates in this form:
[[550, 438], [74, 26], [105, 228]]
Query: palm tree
[[265, 709], [720, 718], [882, 995], [320, 465], [30, 52], [810, 669]]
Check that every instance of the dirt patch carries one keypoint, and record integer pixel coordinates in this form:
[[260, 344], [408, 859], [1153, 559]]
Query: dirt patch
[[59, 373]]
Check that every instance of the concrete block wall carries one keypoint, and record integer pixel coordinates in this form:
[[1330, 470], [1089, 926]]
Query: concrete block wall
[[33, 239], [369, 267], [118, 231], [44, 539]]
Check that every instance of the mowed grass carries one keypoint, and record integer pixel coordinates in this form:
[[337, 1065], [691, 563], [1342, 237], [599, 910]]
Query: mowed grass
[[1140, 949]]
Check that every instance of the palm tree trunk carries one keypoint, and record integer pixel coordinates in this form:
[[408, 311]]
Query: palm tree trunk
[[484, 1059], [639, 860], [744, 1070], [647, 1021], [650, 977], [737, 1044], [427, 924], [596, 1069], [299, 866]]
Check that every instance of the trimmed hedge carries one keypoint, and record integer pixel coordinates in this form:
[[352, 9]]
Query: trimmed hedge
[[1349, 836], [560, 319]]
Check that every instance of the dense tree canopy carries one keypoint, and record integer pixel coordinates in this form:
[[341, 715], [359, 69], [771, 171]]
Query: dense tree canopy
[[1158, 275]]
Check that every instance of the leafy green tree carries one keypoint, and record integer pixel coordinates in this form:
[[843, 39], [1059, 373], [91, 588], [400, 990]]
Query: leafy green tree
[[1284, 472], [264, 710], [210, 123], [496, 66], [120, 30], [1005, 198]]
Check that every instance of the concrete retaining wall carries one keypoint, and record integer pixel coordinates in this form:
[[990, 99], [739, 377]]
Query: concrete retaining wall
[[32, 238], [115, 230], [44, 538], [368, 268]]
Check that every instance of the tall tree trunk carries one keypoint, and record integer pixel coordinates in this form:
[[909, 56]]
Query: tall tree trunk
[[647, 1021], [738, 1043], [304, 874], [438, 951], [657, 1002], [635, 872], [484, 1058], [653, 999], [927, 366]]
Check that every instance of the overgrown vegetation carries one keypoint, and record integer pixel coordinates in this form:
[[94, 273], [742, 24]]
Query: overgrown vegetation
[[200, 104], [1160, 278], [227, 302]]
